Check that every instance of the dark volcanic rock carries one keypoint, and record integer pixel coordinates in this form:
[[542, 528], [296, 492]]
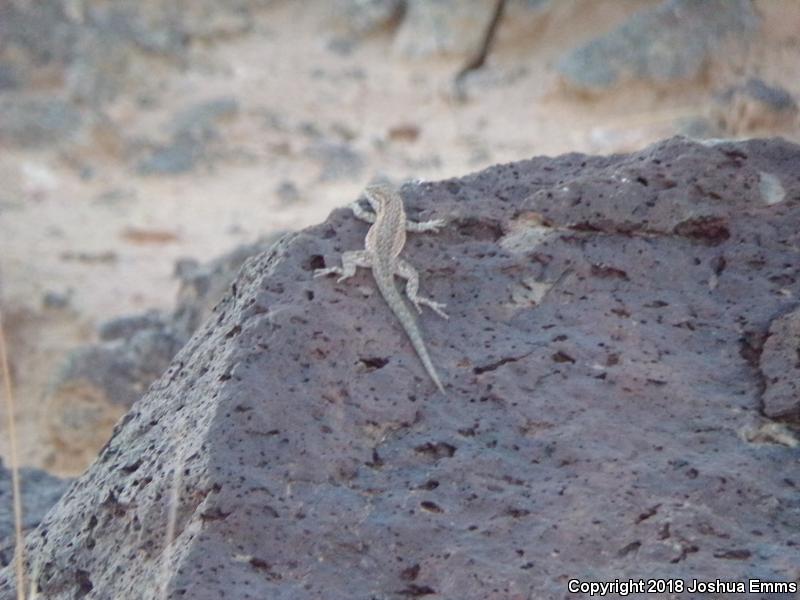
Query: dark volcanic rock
[[780, 364], [603, 417]]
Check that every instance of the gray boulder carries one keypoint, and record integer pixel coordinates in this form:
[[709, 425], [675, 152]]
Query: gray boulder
[[105, 49], [363, 17], [33, 121], [442, 27], [603, 415], [753, 106], [670, 42], [193, 133]]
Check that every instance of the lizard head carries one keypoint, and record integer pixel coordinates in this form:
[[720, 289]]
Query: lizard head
[[378, 195]]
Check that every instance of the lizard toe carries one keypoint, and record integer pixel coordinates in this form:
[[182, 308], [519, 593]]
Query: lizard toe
[[328, 271], [438, 308]]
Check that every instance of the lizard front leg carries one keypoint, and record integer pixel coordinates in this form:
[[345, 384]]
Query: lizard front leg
[[350, 260], [417, 227], [409, 273], [360, 213]]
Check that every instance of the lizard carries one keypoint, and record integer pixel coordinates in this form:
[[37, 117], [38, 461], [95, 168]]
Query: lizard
[[382, 246]]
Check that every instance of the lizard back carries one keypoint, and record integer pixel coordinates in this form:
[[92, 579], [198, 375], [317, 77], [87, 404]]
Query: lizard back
[[387, 236]]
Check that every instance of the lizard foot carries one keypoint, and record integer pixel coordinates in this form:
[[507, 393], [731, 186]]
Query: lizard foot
[[328, 271], [433, 225], [436, 307]]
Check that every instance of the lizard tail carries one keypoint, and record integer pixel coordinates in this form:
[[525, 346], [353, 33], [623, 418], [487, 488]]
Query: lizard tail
[[406, 318]]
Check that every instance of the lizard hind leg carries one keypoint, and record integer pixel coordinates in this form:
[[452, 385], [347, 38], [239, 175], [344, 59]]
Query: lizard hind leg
[[423, 226], [350, 261], [409, 273]]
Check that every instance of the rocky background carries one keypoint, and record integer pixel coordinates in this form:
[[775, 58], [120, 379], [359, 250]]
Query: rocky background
[[147, 151]]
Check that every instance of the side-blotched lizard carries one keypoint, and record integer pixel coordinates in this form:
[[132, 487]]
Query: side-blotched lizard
[[385, 240]]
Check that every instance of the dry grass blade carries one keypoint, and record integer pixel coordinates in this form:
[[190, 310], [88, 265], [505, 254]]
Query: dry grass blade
[[172, 517], [19, 553]]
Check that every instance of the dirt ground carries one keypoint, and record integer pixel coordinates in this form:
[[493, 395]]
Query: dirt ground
[[85, 237]]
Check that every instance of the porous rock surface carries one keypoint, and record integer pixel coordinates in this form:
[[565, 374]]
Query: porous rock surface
[[606, 360]]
